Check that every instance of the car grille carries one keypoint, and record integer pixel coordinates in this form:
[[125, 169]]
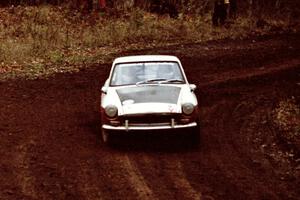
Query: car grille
[[150, 120]]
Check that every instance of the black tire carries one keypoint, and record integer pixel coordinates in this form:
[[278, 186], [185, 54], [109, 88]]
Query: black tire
[[105, 136], [195, 136]]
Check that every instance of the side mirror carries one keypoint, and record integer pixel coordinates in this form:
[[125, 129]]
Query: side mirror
[[193, 87], [104, 89]]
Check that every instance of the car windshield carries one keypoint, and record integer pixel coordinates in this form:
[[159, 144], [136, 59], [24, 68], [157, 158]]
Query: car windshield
[[146, 73]]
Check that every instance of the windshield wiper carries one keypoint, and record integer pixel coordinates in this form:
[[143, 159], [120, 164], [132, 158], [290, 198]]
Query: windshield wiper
[[159, 80], [173, 81]]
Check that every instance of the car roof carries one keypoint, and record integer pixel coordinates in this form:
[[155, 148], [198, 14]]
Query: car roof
[[146, 58]]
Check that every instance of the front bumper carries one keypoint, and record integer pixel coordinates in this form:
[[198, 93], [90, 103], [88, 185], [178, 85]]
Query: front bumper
[[148, 127]]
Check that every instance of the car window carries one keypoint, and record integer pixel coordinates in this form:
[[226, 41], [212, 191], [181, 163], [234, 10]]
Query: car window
[[132, 73]]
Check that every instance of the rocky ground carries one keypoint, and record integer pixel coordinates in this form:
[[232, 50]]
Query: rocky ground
[[50, 145]]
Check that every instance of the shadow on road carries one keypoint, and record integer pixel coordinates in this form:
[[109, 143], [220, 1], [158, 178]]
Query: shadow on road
[[162, 141]]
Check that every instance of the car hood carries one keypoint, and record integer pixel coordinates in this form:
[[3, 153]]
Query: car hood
[[147, 99], [149, 94]]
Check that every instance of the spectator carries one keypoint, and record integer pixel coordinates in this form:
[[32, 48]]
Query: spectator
[[102, 4], [164, 7], [226, 4], [232, 9], [220, 13]]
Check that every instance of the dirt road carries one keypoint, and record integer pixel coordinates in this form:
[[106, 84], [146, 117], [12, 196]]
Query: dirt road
[[50, 145]]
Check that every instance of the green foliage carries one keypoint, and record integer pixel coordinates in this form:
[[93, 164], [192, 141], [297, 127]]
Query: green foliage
[[56, 57]]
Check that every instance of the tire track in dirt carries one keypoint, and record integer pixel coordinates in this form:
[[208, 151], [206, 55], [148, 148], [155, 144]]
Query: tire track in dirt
[[263, 72], [93, 173], [87, 183], [166, 177], [177, 176], [105, 174], [23, 174], [216, 168], [207, 169], [121, 174], [234, 167], [153, 175], [137, 180]]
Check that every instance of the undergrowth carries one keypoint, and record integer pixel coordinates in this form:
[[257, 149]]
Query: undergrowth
[[37, 41], [287, 119]]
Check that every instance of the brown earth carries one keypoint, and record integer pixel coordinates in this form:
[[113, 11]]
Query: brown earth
[[50, 146]]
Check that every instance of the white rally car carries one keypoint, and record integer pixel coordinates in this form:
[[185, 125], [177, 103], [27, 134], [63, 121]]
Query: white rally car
[[145, 93]]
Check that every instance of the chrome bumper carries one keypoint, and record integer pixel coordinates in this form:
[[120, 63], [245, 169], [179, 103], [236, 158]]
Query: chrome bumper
[[144, 128]]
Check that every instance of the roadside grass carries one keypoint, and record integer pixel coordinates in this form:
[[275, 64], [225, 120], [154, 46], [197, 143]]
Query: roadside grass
[[40, 41], [287, 119]]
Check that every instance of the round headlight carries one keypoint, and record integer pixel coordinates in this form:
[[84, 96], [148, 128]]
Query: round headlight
[[188, 108], [111, 111]]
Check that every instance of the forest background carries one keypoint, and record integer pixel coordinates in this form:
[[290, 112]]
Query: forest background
[[43, 37]]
